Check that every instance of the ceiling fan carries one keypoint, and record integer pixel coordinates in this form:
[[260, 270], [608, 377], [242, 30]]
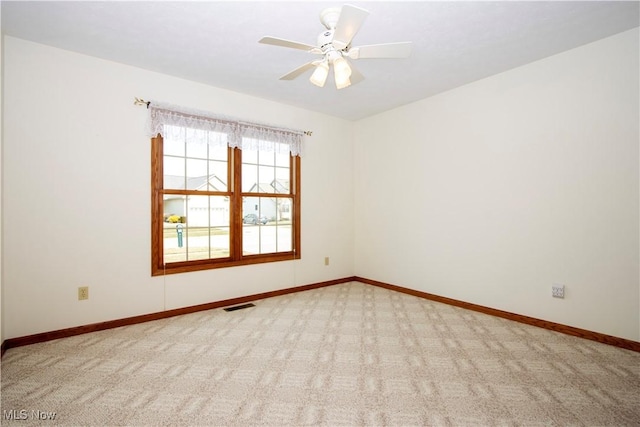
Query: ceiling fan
[[334, 44]]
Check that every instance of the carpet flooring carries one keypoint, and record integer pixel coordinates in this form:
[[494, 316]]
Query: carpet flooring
[[344, 355]]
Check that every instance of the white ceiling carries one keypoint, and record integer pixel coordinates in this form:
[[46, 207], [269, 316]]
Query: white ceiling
[[216, 43]]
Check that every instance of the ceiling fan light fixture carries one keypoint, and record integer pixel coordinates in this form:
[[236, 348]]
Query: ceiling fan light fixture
[[341, 68], [341, 84], [319, 76]]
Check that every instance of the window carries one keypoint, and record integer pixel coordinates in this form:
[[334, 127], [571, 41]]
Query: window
[[219, 205]]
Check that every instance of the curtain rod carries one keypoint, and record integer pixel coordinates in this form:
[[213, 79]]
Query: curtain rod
[[140, 101]]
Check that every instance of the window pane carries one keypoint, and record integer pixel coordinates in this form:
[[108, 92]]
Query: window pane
[[219, 227], [251, 210], [205, 214], [268, 240], [266, 225], [249, 156], [194, 174], [266, 176], [252, 220], [197, 174], [284, 236], [197, 243], [249, 178], [281, 184], [284, 233], [219, 242], [173, 228], [282, 159], [197, 149], [219, 151], [173, 146], [250, 240], [217, 176], [174, 173], [284, 209], [196, 227], [174, 247], [266, 158]]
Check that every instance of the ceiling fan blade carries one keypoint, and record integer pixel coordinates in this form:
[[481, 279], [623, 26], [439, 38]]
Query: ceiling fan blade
[[350, 21], [356, 76], [275, 41], [298, 71], [387, 50]]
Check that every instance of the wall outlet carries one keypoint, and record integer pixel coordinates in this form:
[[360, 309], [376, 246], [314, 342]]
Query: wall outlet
[[83, 293], [326, 260], [557, 291]]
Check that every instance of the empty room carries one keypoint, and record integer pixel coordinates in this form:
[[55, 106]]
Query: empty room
[[296, 213]]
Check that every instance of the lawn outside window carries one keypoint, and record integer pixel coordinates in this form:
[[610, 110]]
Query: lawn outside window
[[218, 205]]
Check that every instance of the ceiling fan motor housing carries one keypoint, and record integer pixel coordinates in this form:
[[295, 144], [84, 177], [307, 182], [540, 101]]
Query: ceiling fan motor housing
[[325, 38]]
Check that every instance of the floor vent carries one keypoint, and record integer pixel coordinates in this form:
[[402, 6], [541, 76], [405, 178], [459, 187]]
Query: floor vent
[[239, 307]]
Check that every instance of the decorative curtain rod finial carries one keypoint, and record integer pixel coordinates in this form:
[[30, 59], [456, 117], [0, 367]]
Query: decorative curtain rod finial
[[140, 101], [308, 132]]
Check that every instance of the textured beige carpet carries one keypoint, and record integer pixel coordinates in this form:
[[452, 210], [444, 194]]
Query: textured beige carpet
[[349, 354]]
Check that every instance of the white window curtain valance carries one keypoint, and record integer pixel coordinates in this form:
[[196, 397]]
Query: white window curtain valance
[[164, 118]]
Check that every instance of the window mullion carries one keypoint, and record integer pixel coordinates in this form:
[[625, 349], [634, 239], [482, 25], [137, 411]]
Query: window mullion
[[236, 209]]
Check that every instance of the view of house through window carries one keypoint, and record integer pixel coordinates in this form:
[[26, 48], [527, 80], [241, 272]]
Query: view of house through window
[[196, 220], [266, 202], [216, 206]]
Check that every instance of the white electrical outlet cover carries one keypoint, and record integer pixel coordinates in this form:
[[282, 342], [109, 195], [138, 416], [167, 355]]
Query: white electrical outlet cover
[[557, 291]]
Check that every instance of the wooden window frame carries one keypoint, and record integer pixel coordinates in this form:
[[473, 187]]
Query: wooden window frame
[[235, 194]]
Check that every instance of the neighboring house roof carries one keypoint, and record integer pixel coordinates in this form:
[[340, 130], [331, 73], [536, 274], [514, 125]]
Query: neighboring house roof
[[276, 186], [281, 185], [210, 183], [261, 188]]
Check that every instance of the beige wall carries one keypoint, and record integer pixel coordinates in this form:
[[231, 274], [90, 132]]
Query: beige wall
[[77, 193], [489, 193], [492, 192], [1, 149]]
